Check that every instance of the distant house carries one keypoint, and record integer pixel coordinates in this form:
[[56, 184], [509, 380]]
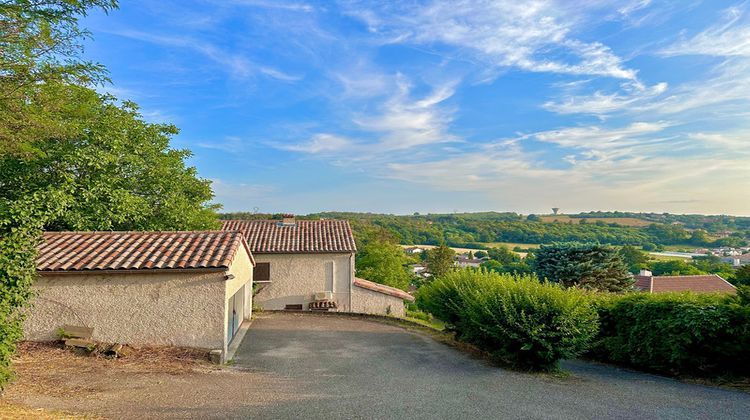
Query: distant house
[[465, 262], [414, 250], [737, 260], [309, 265], [190, 289], [704, 283]]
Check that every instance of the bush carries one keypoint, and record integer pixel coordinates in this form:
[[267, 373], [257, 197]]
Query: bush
[[442, 299], [522, 322], [676, 333]]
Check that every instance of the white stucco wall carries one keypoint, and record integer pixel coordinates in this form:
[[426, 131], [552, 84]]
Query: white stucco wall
[[370, 302], [296, 277], [182, 309], [242, 270]]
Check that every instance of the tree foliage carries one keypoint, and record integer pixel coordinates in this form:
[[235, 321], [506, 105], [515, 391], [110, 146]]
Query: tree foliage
[[40, 44], [118, 170], [741, 276], [383, 262], [440, 260], [634, 258], [589, 266]]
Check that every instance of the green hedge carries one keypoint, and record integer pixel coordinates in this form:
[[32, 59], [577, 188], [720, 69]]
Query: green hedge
[[521, 321], [676, 333]]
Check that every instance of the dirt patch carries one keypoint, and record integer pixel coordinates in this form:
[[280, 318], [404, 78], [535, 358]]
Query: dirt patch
[[164, 382]]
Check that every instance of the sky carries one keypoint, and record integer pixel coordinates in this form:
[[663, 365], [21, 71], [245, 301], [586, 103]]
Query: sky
[[443, 106]]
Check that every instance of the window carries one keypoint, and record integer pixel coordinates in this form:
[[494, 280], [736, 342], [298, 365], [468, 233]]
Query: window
[[262, 272]]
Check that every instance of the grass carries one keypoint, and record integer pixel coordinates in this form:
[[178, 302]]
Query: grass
[[458, 250]]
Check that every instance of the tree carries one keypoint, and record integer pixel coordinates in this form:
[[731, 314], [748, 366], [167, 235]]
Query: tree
[[480, 254], [384, 262], [470, 255], [440, 260], [588, 266], [633, 258], [39, 46], [118, 170], [674, 268], [503, 255], [741, 276]]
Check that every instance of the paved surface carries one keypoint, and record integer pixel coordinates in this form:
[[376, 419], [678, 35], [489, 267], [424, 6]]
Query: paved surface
[[339, 367]]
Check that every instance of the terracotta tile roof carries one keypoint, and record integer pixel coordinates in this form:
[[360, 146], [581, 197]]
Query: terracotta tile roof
[[704, 283], [305, 236], [381, 288], [97, 251]]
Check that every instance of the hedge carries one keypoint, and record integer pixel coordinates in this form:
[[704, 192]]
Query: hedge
[[675, 333], [521, 321]]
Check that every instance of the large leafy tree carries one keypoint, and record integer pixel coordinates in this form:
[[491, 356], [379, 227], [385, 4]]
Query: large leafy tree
[[73, 159], [384, 262], [585, 265], [40, 45], [118, 170]]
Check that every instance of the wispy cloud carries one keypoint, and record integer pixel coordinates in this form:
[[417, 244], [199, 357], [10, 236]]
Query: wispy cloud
[[600, 103], [229, 144], [731, 37], [237, 64], [319, 144], [531, 36]]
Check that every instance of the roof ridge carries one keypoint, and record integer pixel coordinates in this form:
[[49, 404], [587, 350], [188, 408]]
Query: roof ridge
[[101, 232], [690, 275]]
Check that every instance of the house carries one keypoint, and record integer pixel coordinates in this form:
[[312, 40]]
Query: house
[[464, 262], [414, 250], [309, 265], [189, 289], [704, 283], [737, 260]]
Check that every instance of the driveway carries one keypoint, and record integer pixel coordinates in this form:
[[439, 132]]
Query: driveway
[[332, 367]]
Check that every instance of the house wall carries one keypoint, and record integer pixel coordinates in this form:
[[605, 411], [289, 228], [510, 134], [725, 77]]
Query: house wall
[[177, 308], [296, 277], [370, 302], [242, 269]]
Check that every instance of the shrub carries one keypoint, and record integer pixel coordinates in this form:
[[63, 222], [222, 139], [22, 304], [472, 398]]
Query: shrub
[[442, 299], [677, 333], [519, 320]]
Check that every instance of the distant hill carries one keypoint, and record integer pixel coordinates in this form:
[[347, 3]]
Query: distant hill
[[476, 230]]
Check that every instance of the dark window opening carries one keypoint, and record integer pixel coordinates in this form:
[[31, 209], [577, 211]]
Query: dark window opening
[[262, 272]]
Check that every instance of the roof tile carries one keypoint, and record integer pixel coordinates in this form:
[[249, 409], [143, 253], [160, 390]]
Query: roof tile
[[100, 251], [305, 236]]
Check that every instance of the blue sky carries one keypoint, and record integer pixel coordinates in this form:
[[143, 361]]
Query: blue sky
[[430, 106]]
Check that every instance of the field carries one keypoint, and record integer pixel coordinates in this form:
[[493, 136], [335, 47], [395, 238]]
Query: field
[[458, 250], [623, 221]]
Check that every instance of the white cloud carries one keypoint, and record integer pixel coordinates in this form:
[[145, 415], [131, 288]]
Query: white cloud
[[498, 33], [599, 138], [728, 39], [236, 64], [319, 143], [404, 122], [600, 103], [230, 144]]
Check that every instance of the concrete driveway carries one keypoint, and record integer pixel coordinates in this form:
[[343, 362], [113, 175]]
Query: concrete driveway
[[342, 367]]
